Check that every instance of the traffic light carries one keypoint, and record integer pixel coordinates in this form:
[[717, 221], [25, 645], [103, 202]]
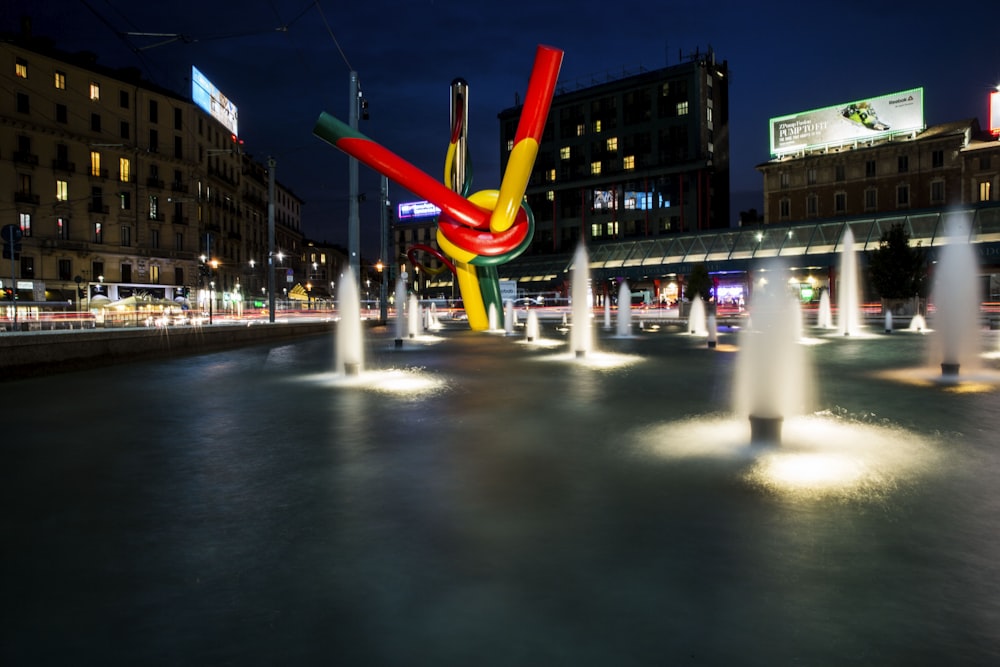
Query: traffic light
[[8, 294], [11, 235]]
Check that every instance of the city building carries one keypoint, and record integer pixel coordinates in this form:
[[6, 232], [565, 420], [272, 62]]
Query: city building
[[122, 188]]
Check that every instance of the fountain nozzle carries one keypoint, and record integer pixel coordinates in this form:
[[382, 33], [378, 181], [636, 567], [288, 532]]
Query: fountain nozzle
[[949, 368], [765, 430]]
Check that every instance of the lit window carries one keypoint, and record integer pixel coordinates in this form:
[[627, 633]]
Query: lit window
[[60, 80], [550, 175], [708, 115], [62, 228], [25, 221], [596, 230], [154, 207], [125, 170], [98, 232], [550, 195], [510, 145], [21, 68], [95, 163], [580, 130], [595, 168], [628, 163], [612, 143], [597, 127], [612, 228], [682, 108], [62, 190], [984, 191], [95, 91], [564, 152]]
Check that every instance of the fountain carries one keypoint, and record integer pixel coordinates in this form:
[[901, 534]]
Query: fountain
[[581, 336], [849, 289], [770, 380], [509, 318], [696, 319], [917, 323], [713, 330], [413, 316], [531, 328], [824, 319], [350, 354], [624, 310], [607, 314], [888, 321], [956, 302], [400, 301]]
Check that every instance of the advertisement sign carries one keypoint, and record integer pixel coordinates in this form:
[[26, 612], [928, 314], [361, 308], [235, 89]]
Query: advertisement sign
[[417, 209], [995, 112], [213, 102], [861, 120]]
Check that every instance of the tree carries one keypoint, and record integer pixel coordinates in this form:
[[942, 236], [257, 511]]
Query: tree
[[699, 284], [897, 270]]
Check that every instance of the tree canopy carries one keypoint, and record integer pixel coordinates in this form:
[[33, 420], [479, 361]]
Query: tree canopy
[[896, 269]]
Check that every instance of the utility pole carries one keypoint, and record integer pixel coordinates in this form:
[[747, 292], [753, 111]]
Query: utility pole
[[353, 222], [271, 165]]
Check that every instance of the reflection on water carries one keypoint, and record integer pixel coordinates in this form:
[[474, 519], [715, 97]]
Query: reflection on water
[[479, 501]]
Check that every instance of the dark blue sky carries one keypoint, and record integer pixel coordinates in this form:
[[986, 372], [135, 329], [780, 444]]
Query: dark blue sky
[[785, 57]]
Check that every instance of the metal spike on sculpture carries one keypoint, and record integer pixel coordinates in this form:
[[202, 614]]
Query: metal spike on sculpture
[[488, 228]]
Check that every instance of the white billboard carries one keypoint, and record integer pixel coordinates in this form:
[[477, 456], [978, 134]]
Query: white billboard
[[861, 120], [208, 97]]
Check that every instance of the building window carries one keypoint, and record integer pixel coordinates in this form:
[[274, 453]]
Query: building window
[[154, 112], [27, 266], [123, 99], [840, 203], [95, 163], [62, 190], [65, 269], [984, 191], [869, 168], [59, 80], [95, 122], [812, 206], [95, 91], [126, 236], [937, 192], [21, 68], [178, 275], [126, 273], [154, 141], [628, 162], [154, 207], [784, 179], [811, 176], [24, 220], [902, 164], [596, 230], [62, 228], [62, 116], [124, 130], [510, 145], [580, 130], [785, 209], [839, 175], [871, 199], [597, 127], [97, 271], [682, 108], [937, 158], [612, 143], [984, 162], [154, 274], [178, 119], [125, 170], [550, 175], [564, 153], [612, 228], [595, 168], [903, 195], [179, 241], [178, 148], [98, 232], [23, 103], [154, 238]]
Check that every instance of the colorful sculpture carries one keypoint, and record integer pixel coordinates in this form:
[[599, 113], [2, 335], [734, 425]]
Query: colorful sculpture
[[489, 227]]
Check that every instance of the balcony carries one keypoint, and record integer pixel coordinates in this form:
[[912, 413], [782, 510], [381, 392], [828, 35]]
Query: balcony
[[23, 157], [94, 207], [26, 198], [179, 219], [64, 165], [154, 182]]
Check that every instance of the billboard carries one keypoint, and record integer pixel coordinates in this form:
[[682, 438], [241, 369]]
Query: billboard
[[861, 120], [217, 105], [413, 210], [995, 113]]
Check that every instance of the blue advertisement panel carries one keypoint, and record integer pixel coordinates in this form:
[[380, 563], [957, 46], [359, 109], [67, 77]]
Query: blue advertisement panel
[[207, 96]]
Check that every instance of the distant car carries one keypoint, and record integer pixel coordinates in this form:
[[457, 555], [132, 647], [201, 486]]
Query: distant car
[[528, 302]]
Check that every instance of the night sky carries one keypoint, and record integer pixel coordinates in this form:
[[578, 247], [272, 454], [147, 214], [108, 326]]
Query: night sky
[[282, 62]]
